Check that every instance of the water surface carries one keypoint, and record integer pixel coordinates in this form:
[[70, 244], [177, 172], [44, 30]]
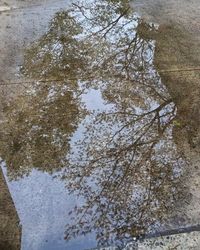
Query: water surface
[[100, 141]]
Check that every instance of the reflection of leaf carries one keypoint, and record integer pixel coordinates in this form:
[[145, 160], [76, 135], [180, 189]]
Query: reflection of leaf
[[126, 167], [37, 132], [127, 160], [177, 123], [57, 54]]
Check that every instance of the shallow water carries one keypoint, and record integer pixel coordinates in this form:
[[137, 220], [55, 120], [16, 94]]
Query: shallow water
[[100, 122]]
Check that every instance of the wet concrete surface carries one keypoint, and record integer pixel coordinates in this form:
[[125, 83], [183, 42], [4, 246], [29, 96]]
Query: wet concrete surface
[[10, 230], [181, 241], [100, 120]]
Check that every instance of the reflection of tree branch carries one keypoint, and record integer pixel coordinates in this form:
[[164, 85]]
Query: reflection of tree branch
[[112, 24], [81, 9], [115, 167]]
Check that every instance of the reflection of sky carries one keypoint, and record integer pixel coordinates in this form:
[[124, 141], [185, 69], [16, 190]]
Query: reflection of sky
[[43, 204], [94, 101]]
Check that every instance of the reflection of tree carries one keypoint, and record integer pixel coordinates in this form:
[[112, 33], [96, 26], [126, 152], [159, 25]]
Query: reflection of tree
[[40, 121], [126, 173], [127, 168], [38, 129], [59, 53]]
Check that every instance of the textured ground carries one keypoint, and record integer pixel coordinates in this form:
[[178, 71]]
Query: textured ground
[[10, 231]]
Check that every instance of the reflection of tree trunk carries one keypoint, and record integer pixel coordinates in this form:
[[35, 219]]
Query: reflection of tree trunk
[[10, 231]]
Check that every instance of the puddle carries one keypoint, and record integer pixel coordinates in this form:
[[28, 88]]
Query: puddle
[[100, 135]]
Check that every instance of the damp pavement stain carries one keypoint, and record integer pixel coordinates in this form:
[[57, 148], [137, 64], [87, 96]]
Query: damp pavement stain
[[99, 122]]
